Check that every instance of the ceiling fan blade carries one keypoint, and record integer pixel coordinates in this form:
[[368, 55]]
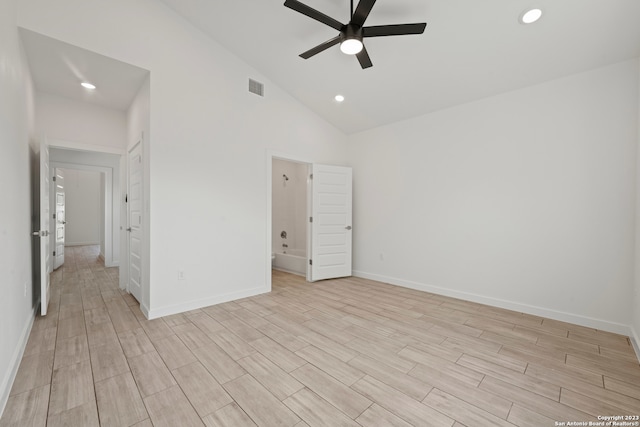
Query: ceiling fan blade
[[393, 30], [323, 46], [363, 58], [313, 14], [362, 11]]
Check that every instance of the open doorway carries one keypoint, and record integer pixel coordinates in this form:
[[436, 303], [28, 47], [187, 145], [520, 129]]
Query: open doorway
[[323, 211], [289, 213], [92, 199], [83, 202]]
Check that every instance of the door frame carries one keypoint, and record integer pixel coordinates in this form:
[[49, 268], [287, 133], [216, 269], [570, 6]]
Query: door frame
[[271, 155], [108, 206], [112, 201], [126, 264], [53, 203]]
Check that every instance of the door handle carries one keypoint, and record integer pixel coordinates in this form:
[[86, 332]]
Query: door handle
[[41, 233], [129, 229], [348, 227]]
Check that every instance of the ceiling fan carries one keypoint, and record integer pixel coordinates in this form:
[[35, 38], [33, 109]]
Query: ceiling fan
[[352, 34]]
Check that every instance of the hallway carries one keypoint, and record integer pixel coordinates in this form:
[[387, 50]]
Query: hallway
[[73, 345]]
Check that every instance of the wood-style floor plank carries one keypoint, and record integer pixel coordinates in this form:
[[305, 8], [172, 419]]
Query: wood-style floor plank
[[331, 365], [229, 416], [35, 371], [339, 395], [407, 384], [170, 408], [107, 361], [218, 363], [119, 401], [398, 403], [462, 411], [151, 374], [284, 358], [174, 353], [622, 387], [85, 415], [262, 406], [376, 415], [27, 409], [341, 352], [317, 412], [277, 381], [135, 342], [202, 390]]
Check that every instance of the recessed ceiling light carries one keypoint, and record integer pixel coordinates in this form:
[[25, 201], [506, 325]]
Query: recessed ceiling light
[[88, 85], [339, 98], [530, 16]]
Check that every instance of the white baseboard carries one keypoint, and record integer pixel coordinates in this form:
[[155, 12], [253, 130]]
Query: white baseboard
[[16, 358], [145, 310], [576, 319], [199, 303], [635, 342], [81, 244], [297, 273]]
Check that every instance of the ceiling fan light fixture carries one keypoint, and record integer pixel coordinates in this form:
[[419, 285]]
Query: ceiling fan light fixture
[[351, 46], [530, 16], [352, 34]]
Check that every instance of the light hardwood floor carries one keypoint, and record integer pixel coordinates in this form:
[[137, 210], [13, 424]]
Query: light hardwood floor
[[347, 352]]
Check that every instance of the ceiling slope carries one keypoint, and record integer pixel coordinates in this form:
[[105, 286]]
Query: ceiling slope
[[470, 50]]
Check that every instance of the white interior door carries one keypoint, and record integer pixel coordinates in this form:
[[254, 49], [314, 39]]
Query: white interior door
[[60, 219], [43, 233], [331, 222], [134, 220]]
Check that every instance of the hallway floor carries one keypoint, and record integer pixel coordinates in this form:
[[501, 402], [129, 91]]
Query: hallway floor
[[345, 352]]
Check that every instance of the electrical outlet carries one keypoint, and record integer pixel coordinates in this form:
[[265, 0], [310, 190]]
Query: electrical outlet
[[180, 274], [25, 288], [381, 256]]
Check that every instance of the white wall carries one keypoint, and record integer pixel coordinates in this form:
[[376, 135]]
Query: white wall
[[83, 207], [524, 200], [76, 121], [289, 207], [18, 299], [208, 145]]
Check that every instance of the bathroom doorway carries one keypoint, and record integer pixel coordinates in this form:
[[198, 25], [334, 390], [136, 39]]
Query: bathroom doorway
[[289, 216]]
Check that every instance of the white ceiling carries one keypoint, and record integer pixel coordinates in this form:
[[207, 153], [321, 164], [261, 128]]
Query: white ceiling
[[470, 50], [59, 68]]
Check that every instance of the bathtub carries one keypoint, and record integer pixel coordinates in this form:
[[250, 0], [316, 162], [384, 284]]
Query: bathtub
[[291, 260]]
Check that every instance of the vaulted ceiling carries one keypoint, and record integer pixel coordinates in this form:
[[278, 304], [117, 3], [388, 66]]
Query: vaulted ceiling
[[470, 50]]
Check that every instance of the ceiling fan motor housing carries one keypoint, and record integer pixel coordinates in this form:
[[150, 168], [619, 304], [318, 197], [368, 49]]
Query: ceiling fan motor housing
[[351, 31]]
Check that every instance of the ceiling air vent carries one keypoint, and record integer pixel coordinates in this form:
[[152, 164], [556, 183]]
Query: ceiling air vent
[[256, 87]]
